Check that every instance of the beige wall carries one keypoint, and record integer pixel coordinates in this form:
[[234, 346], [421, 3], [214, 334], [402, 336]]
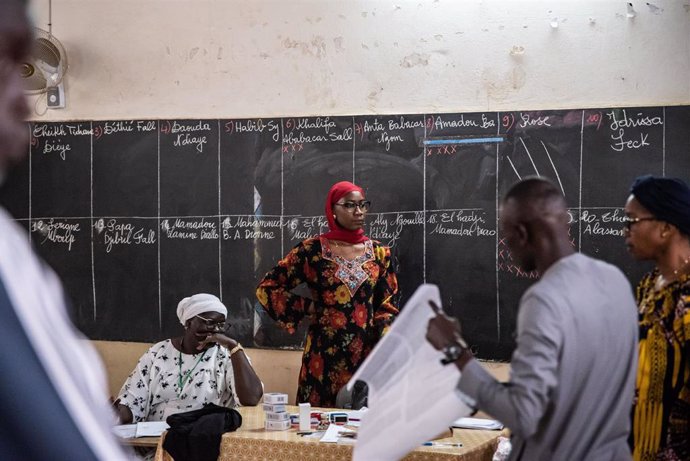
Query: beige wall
[[277, 369], [132, 59]]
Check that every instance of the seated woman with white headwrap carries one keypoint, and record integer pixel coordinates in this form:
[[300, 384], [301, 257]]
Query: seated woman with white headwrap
[[184, 373]]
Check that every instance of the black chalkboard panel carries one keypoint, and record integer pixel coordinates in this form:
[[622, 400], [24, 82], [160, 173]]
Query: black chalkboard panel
[[125, 161], [136, 214]]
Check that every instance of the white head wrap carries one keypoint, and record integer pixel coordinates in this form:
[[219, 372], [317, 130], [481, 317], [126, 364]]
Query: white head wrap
[[198, 304]]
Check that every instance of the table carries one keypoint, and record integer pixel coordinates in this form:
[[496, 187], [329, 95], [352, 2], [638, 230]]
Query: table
[[151, 442], [252, 443]]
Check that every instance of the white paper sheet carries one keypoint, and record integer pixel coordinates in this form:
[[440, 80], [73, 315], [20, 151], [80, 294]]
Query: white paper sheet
[[478, 423], [412, 396], [151, 428], [333, 433], [143, 429], [125, 431]]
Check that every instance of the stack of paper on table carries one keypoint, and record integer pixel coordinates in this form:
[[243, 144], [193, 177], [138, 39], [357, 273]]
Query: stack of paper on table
[[143, 429]]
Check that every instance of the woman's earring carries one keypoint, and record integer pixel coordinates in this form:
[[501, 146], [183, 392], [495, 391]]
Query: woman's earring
[[333, 216]]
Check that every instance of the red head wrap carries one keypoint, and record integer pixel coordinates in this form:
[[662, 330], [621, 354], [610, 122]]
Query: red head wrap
[[338, 191]]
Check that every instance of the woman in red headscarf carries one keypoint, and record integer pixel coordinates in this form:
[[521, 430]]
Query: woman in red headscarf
[[353, 287]]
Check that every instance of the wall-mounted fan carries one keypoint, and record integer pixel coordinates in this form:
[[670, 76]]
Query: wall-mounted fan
[[44, 70]]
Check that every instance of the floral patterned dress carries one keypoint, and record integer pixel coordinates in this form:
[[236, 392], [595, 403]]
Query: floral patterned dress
[[352, 306], [661, 410]]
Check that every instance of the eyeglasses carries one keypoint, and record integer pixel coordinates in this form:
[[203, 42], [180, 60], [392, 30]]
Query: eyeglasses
[[350, 206], [628, 222], [212, 324]]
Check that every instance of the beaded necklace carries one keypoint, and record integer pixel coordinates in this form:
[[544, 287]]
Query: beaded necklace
[[182, 380], [660, 282], [682, 266]]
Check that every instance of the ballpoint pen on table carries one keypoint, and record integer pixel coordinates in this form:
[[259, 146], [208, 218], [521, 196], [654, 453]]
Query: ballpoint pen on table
[[442, 444]]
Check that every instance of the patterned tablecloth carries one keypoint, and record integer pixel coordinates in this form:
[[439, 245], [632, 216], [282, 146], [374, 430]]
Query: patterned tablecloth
[[252, 443]]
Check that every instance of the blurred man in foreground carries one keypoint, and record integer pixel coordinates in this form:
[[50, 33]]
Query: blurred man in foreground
[[52, 386]]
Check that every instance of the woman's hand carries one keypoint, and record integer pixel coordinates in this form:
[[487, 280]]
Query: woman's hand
[[217, 338], [124, 414], [247, 383]]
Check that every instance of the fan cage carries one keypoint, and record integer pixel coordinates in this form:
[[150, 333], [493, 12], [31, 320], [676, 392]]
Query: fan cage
[[46, 65]]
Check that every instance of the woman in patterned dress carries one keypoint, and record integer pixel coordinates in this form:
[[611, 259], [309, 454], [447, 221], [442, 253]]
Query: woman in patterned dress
[[184, 373], [658, 229], [353, 288]]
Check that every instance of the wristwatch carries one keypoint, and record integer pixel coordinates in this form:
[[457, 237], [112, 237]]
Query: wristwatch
[[452, 352], [235, 349]]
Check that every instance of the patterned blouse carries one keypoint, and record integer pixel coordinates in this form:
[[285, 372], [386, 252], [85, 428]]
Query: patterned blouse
[[353, 305], [153, 392], [661, 410]]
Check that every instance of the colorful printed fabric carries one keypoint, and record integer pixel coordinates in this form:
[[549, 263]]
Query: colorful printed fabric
[[347, 317], [661, 411]]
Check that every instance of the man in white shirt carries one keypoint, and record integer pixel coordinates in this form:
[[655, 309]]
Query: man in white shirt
[[573, 371], [52, 386]]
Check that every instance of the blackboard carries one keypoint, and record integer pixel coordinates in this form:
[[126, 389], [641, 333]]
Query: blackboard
[[134, 215]]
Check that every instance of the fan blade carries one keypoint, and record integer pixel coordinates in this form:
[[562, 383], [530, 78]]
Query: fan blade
[[45, 51], [33, 81]]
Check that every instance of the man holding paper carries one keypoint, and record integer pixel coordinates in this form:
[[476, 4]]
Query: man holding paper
[[573, 371]]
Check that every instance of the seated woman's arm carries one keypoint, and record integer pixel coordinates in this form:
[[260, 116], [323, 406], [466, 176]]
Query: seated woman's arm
[[123, 413], [247, 384], [132, 404]]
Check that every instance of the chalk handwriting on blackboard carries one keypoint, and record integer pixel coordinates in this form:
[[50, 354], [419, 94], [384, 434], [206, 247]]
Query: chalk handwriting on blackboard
[[251, 228], [508, 121], [593, 118], [306, 226], [388, 227], [618, 126], [253, 126], [603, 223], [123, 126], [118, 127], [58, 147], [51, 138], [461, 223], [301, 138], [383, 134], [116, 232], [527, 120], [56, 231], [187, 133], [190, 229], [318, 130], [306, 124], [438, 177], [43, 130], [361, 128], [463, 121]]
